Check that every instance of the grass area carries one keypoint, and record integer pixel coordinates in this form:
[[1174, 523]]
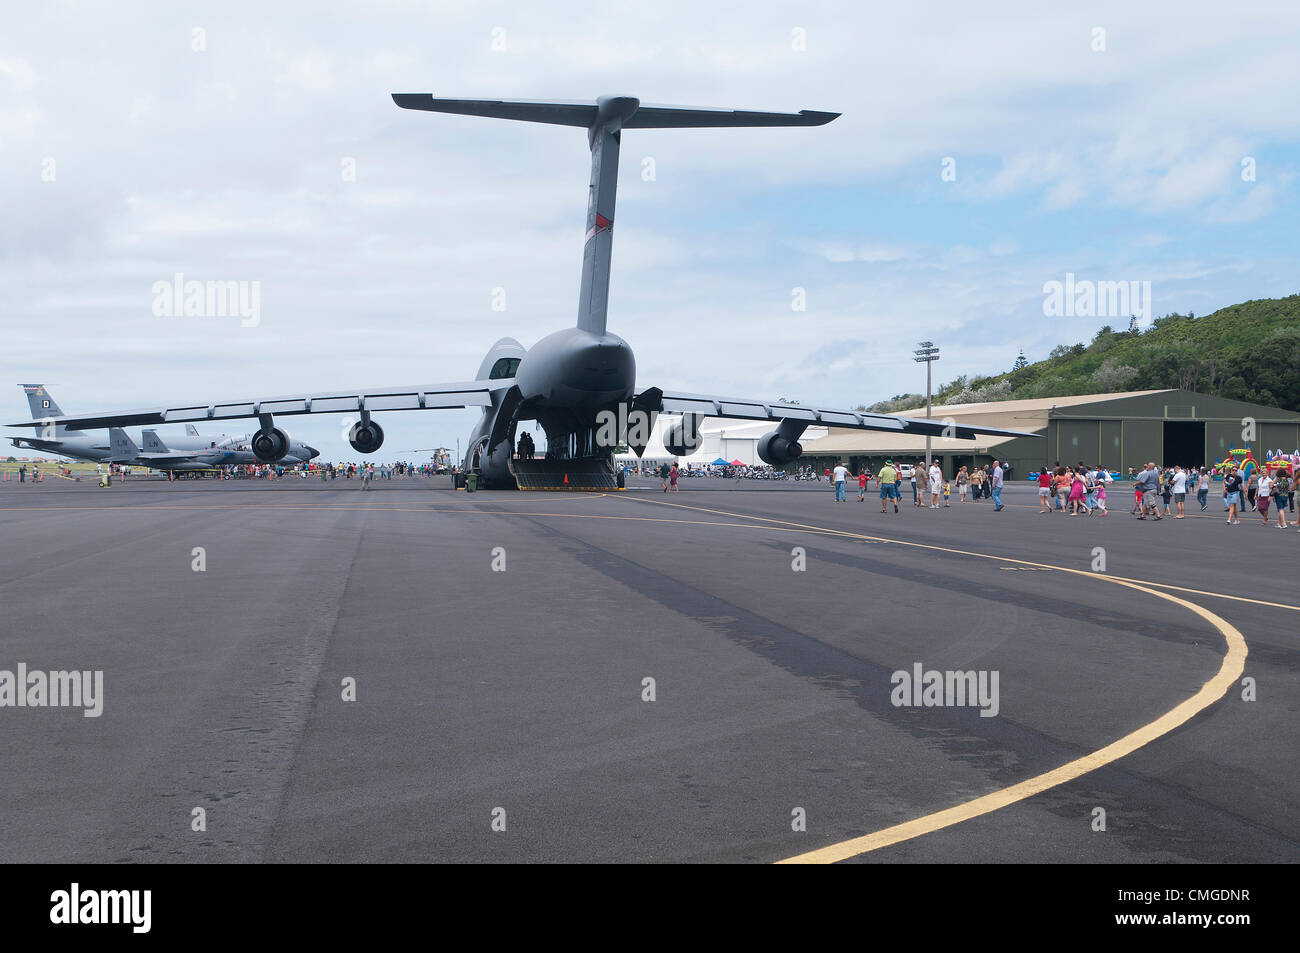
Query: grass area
[[52, 468]]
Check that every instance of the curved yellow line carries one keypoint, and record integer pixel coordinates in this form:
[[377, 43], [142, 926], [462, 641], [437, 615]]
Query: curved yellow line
[[1234, 663], [1231, 669]]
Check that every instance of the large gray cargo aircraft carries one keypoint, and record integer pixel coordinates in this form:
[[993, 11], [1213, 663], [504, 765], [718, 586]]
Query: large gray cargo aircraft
[[573, 381]]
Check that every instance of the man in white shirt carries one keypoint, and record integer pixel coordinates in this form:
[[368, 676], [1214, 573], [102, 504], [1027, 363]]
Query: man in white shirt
[[1180, 491], [995, 482], [936, 484], [840, 476]]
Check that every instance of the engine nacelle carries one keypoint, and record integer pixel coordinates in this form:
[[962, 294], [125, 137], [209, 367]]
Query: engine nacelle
[[777, 451], [270, 445], [366, 436], [684, 438]]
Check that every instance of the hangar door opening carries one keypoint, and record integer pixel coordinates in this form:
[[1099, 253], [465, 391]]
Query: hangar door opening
[[1185, 443]]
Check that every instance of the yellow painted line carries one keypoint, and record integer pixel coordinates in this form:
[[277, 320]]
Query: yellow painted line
[[1234, 663], [849, 534], [394, 509], [1230, 669]]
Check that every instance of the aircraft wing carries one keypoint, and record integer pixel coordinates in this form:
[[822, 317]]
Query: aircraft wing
[[415, 397], [673, 402], [168, 456]]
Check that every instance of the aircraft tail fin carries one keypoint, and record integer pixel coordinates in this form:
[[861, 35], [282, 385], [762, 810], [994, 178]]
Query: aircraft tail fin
[[43, 406], [153, 443], [191, 430], [122, 448], [604, 120]]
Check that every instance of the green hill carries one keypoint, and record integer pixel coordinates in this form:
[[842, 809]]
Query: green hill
[[1249, 351]]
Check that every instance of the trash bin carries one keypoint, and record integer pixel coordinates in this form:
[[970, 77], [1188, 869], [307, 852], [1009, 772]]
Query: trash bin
[[471, 483]]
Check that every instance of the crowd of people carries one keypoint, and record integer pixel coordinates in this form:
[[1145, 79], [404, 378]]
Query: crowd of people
[[935, 490], [1082, 489], [730, 471], [365, 472]]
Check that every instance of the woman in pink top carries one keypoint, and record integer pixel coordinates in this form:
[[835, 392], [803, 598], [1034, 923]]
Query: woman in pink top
[[1076, 494]]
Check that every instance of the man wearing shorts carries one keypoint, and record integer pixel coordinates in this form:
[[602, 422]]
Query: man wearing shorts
[[1044, 491], [888, 485], [1148, 482], [1180, 492]]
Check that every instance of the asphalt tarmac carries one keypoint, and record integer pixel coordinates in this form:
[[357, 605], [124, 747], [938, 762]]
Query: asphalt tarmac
[[500, 646]]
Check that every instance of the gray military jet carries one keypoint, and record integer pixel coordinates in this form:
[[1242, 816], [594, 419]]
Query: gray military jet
[[191, 452], [578, 383], [157, 455]]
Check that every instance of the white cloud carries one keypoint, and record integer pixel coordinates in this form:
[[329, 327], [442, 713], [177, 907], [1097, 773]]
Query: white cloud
[[227, 163]]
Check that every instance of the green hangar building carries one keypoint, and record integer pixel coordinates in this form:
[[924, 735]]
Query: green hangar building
[[1117, 431]]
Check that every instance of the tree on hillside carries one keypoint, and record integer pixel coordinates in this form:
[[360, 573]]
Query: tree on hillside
[[993, 390], [896, 403], [1113, 376], [1021, 361]]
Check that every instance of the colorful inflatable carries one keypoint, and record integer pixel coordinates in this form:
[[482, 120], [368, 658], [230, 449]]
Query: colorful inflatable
[[1243, 460]]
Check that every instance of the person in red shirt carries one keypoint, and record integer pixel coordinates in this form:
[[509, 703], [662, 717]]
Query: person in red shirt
[[1044, 491], [863, 477]]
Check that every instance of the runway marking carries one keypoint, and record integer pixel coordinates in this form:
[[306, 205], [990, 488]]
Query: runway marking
[[426, 509], [394, 507], [1231, 669], [849, 534], [1214, 690]]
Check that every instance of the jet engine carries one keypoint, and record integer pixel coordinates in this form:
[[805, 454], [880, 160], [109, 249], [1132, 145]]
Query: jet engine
[[778, 451], [270, 445], [684, 438], [366, 436]]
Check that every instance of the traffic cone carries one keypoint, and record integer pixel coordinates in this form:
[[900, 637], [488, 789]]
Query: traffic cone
[[566, 479]]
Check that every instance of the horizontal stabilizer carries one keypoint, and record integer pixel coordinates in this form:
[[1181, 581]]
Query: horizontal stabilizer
[[648, 116], [686, 117]]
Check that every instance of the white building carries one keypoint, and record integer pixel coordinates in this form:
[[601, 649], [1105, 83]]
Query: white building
[[723, 438]]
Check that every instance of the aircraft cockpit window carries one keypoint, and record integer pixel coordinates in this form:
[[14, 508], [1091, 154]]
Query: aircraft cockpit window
[[504, 367]]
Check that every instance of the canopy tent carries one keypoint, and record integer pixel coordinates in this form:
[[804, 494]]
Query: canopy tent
[[721, 462]]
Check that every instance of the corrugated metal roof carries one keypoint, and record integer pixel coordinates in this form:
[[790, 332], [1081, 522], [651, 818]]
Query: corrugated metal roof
[[1029, 415], [1034, 405]]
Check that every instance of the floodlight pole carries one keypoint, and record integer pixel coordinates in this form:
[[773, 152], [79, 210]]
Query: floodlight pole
[[926, 354]]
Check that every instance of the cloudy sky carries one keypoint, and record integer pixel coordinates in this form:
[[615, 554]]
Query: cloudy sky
[[1128, 142]]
